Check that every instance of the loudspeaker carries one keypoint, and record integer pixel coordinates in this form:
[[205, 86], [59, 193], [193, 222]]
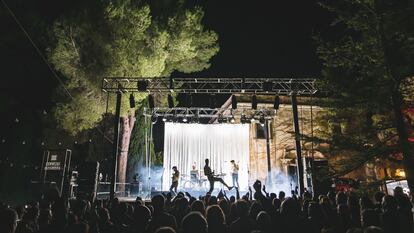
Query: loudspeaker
[[88, 174]]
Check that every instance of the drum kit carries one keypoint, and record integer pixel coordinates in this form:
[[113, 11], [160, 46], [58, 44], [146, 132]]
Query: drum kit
[[196, 181]]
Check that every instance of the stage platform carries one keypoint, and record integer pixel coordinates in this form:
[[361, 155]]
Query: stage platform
[[196, 194]]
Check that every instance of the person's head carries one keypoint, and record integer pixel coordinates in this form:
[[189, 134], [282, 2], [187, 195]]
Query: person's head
[[174, 168], [213, 200], [257, 185], [198, 206], [276, 203], [224, 205], [232, 199], [81, 227], [255, 209], [290, 208], [194, 222], [158, 202], [207, 161], [369, 217], [182, 204], [242, 208], [263, 221], [389, 203], [232, 161], [354, 230], [315, 211], [165, 230], [273, 196], [8, 220], [215, 215], [45, 217], [373, 229], [103, 215], [341, 198], [398, 191], [142, 216], [343, 211], [282, 195], [378, 197]]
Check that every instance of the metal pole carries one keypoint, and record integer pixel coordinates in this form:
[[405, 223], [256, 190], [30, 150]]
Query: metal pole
[[269, 166], [115, 145], [299, 162]]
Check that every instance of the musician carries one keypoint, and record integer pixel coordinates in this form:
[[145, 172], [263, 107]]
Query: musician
[[194, 173], [175, 178], [235, 173], [211, 178]]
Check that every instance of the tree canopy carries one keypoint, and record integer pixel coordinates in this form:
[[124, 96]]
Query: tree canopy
[[121, 38], [368, 65]]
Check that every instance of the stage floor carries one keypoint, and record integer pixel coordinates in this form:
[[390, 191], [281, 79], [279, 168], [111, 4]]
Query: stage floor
[[196, 194]]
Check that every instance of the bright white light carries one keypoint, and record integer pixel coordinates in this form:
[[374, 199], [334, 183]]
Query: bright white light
[[186, 144]]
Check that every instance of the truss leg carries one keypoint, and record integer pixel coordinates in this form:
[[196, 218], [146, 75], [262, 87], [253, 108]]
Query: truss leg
[[299, 162], [269, 165], [115, 145]]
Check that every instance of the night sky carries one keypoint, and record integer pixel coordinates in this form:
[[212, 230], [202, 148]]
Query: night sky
[[257, 38], [265, 38]]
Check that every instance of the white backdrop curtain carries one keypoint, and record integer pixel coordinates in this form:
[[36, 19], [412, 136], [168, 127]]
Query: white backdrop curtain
[[186, 144]]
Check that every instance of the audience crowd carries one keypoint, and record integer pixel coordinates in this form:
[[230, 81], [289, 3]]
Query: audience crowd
[[257, 211]]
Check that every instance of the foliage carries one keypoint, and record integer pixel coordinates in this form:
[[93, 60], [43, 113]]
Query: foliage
[[121, 38], [367, 63]]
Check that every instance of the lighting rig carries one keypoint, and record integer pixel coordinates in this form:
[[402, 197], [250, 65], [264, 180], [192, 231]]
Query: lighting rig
[[253, 86], [223, 115]]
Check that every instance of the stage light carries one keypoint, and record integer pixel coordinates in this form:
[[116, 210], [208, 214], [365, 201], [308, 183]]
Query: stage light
[[131, 101], [262, 121], [170, 101], [164, 119], [233, 102], [185, 119], [232, 120], [142, 85], [222, 119], [151, 103], [254, 102], [154, 119], [244, 119], [276, 102]]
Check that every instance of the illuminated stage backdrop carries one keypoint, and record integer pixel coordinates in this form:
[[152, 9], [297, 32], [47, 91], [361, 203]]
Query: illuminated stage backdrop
[[188, 144]]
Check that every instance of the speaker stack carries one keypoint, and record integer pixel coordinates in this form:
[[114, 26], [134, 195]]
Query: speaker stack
[[88, 174]]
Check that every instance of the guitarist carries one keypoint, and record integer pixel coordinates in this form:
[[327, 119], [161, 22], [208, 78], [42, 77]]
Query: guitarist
[[175, 178], [211, 178]]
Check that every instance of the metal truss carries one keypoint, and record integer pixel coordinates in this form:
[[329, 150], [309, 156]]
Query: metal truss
[[281, 86], [209, 112]]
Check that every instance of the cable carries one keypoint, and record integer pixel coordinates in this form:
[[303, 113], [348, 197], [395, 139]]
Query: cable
[[36, 48]]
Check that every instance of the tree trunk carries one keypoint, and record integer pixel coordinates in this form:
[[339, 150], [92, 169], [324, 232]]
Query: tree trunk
[[127, 124], [408, 160]]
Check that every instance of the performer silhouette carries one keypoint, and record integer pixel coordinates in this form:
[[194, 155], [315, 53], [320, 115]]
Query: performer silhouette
[[235, 173], [175, 178], [211, 178]]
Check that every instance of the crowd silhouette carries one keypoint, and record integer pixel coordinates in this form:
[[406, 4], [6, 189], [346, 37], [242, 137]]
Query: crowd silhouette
[[254, 212]]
